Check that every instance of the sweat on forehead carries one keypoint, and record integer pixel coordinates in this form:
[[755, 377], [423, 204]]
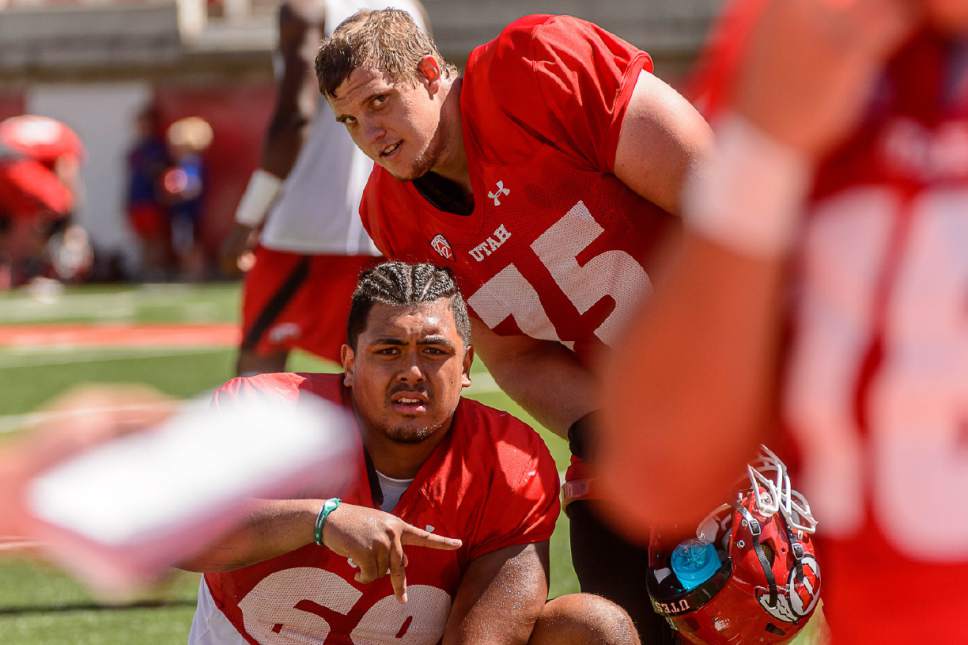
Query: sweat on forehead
[[426, 318]]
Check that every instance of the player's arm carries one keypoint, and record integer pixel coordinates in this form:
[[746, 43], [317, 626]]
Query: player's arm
[[586, 79], [687, 397], [500, 597], [300, 32], [272, 527], [372, 538], [662, 137], [543, 377]]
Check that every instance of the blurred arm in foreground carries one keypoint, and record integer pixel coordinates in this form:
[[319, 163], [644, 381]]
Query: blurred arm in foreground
[[73, 423], [117, 485], [688, 399]]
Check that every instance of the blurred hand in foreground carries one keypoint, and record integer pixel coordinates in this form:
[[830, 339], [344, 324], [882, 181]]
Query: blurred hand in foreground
[[809, 66]]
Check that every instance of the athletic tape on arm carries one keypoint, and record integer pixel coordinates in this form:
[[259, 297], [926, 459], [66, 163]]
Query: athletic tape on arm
[[259, 195], [749, 193]]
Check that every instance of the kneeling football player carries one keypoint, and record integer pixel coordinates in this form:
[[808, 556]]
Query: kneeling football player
[[442, 536]]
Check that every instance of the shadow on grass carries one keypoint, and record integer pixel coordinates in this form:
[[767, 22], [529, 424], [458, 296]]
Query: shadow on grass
[[93, 606]]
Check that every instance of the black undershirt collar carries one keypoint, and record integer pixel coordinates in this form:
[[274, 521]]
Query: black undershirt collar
[[444, 194]]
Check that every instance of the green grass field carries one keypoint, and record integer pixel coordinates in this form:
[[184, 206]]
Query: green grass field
[[37, 603]]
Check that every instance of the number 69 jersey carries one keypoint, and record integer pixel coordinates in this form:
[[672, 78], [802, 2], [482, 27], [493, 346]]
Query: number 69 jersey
[[556, 245], [490, 483]]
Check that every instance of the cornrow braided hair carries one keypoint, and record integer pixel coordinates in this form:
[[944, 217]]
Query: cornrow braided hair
[[401, 284]]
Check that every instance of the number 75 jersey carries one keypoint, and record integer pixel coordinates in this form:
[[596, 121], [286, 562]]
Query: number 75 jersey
[[556, 247]]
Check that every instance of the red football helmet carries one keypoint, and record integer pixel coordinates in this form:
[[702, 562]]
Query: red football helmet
[[39, 138], [751, 574]]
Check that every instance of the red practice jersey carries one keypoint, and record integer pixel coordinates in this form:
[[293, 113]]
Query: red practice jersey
[[876, 387], [556, 247], [30, 146], [491, 483]]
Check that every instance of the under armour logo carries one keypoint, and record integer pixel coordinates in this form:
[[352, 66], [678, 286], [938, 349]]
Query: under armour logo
[[501, 190]]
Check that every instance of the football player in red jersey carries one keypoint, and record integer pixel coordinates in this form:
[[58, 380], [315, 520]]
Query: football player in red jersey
[[833, 220], [543, 177], [301, 206], [39, 182], [442, 536]]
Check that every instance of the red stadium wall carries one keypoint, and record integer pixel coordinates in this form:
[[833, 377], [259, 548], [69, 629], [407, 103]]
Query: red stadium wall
[[11, 103], [238, 116]]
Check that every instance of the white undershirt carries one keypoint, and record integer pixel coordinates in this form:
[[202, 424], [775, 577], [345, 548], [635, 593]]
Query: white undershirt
[[392, 490], [317, 211]]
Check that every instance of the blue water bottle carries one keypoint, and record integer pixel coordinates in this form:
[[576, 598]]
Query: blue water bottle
[[694, 563]]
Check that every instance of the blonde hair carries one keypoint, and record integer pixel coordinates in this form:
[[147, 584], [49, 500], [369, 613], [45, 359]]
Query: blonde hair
[[192, 132], [387, 40]]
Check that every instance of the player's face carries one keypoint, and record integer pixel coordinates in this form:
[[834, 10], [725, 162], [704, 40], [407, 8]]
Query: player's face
[[407, 370], [397, 125]]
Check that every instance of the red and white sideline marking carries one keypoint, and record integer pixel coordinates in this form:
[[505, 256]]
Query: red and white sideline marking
[[120, 335]]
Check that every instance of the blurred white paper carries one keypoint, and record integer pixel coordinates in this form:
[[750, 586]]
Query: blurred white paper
[[122, 512]]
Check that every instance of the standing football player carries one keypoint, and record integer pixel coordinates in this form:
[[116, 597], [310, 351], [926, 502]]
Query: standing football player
[[312, 247], [543, 177], [442, 536], [826, 237]]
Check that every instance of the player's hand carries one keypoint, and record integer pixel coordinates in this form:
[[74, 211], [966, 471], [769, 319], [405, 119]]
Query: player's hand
[[374, 540], [811, 63], [75, 422], [235, 256]]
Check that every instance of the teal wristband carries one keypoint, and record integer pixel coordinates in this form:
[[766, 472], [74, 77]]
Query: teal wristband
[[329, 506]]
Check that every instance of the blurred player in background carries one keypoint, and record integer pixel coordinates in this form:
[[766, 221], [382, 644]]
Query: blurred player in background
[[147, 161], [442, 535], [823, 279], [40, 162], [313, 247], [184, 188], [544, 177]]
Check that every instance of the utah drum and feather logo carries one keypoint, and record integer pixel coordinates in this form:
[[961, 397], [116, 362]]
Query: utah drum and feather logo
[[442, 246]]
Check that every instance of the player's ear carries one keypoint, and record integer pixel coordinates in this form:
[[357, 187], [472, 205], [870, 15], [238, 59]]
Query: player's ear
[[468, 361], [428, 70], [347, 358]]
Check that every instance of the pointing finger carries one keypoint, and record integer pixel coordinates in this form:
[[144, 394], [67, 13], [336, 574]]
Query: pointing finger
[[398, 573], [413, 536]]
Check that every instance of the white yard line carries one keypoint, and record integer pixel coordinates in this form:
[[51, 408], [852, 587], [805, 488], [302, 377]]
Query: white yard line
[[115, 306], [14, 543], [54, 356], [99, 306], [13, 422]]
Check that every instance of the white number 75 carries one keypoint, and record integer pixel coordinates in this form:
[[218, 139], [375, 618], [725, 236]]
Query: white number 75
[[613, 273]]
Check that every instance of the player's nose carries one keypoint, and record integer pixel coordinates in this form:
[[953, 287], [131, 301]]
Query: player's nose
[[412, 372], [374, 132]]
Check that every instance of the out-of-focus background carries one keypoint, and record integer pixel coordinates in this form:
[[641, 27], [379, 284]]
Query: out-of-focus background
[[97, 65]]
